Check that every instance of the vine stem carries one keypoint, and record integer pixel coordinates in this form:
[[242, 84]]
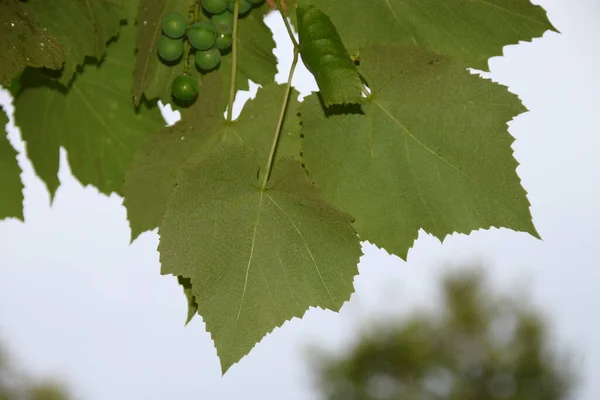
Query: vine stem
[[286, 97], [234, 60], [286, 23], [186, 57]]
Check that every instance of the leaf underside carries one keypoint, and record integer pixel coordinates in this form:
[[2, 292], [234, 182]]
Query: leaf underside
[[83, 28], [430, 149], [94, 120], [25, 42], [255, 258], [471, 31], [155, 169]]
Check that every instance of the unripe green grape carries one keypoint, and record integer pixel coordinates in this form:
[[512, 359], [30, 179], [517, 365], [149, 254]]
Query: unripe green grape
[[208, 59], [202, 35], [245, 6], [184, 88], [224, 38], [214, 6], [169, 49], [225, 19], [174, 25]]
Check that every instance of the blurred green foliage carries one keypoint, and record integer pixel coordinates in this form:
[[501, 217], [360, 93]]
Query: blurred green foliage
[[14, 385], [478, 346]]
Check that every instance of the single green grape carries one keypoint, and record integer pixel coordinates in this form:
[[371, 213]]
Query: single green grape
[[208, 59], [169, 49], [202, 35], [224, 38], [184, 88], [174, 25], [214, 6], [225, 18], [245, 6]]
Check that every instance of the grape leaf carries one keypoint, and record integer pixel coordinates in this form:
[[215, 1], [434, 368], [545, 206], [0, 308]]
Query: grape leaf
[[472, 31], [94, 120], [430, 149], [153, 173], [11, 187], [186, 284], [325, 56], [82, 27], [152, 77], [25, 42], [256, 258]]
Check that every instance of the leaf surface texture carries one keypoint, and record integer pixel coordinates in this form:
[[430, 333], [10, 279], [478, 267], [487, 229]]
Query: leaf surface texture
[[155, 169], [94, 120], [256, 258], [469, 30], [430, 149]]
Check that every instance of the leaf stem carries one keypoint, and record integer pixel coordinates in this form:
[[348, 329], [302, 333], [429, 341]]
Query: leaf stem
[[234, 60], [284, 104], [287, 24], [197, 10]]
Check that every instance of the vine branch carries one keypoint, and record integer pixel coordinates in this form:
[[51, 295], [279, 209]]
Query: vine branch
[[194, 11], [286, 98], [236, 10], [284, 104], [286, 23]]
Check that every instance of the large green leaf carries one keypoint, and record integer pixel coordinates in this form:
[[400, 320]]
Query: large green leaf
[[154, 171], [256, 258], [153, 78], [326, 58], [470, 30], [94, 120], [11, 187], [25, 42], [430, 149], [83, 28]]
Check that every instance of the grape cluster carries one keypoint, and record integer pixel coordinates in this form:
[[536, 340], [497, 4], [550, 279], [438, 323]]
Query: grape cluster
[[210, 40]]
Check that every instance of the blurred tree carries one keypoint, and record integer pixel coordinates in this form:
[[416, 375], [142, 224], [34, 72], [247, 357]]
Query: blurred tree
[[16, 386], [479, 346]]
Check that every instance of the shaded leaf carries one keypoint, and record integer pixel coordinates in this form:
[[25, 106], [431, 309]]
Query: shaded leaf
[[471, 31], [25, 42], [186, 284], [11, 187], [256, 258], [154, 171], [83, 28], [94, 120], [325, 56], [429, 149]]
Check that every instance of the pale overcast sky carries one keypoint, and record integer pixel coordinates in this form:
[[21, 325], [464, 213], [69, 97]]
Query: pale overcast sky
[[76, 300]]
